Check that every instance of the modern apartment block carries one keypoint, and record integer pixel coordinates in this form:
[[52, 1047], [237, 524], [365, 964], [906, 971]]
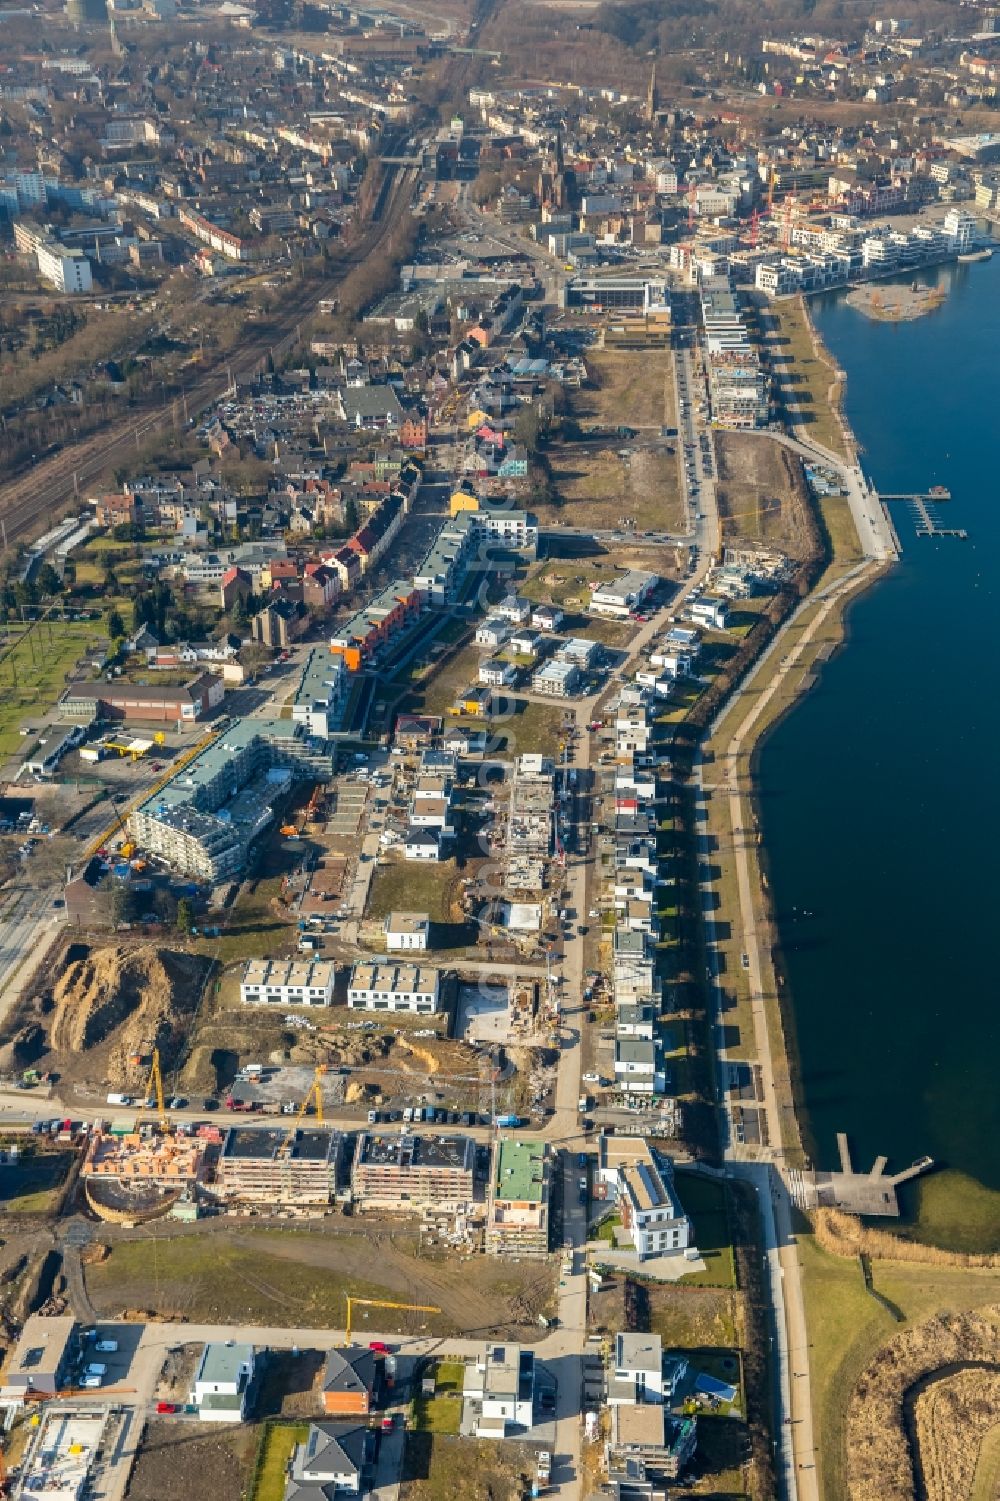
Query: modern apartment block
[[260, 1164], [407, 931], [408, 1172], [517, 1221], [287, 982], [394, 987], [641, 1181], [204, 821]]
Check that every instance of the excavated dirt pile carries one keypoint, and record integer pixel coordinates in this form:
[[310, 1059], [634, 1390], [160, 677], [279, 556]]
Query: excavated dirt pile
[[125, 1000]]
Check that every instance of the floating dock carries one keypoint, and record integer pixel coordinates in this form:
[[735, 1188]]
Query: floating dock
[[921, 505], [928, 525]]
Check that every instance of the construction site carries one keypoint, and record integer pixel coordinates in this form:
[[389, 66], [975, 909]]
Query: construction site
[[63, 1451], [110, 1005]]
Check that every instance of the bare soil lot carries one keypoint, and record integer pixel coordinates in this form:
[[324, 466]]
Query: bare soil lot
[[441, 1467], [634, 389], [600, 488], [110, 1004], [762, 494], [179, 1460]]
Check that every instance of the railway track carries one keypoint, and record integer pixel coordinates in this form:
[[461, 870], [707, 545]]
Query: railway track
[[49, 487]]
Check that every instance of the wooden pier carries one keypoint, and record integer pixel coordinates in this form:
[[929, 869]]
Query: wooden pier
[[931, 496]]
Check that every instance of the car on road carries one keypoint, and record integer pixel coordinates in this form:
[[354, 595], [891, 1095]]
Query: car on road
[[165, 1408], [387, 1423]]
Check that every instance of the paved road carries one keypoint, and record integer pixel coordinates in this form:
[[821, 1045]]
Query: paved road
[[870, 520], [28, 924]]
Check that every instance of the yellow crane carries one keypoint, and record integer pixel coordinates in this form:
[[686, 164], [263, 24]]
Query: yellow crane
[[155, 1082], [353, 1303], [314, 1092]]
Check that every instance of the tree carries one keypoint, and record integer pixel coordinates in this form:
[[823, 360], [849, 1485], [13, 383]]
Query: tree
[[185, 915], [116, 625], [48, 580], [530, 427]]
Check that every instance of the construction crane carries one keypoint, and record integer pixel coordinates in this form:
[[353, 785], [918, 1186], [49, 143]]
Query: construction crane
[[150, 792], [314, 1092], [770, 188], [75, 1391], [154, 1085], [352, 1303], [692, 198]]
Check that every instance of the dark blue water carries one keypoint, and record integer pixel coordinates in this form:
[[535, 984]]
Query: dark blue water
[[879, 793]]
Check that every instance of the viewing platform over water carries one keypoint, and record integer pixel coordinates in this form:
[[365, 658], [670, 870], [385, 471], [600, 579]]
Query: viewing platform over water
[[872, 1193]]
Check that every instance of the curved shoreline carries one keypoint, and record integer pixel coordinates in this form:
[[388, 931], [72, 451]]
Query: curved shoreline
[[928, 1226]]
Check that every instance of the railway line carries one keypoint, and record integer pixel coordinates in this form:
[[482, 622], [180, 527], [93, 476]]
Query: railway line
[[51, 485]]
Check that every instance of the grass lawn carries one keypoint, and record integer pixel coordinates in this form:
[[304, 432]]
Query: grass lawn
[[253, 929], [277, 1442], [441, 1413], [846, 1327], [438, 687], [564, 581], [688, 1318], [837, 521], [35, 669], [413, 886], [449, 1376], [606, 1229], [32, 1186], [705, 1202], [718, 1464], [813, 375], [258, 1280], [538, 727]]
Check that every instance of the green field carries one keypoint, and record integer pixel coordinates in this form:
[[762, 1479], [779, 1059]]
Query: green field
[[413, 886], [35, 668], [847, 1327]]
